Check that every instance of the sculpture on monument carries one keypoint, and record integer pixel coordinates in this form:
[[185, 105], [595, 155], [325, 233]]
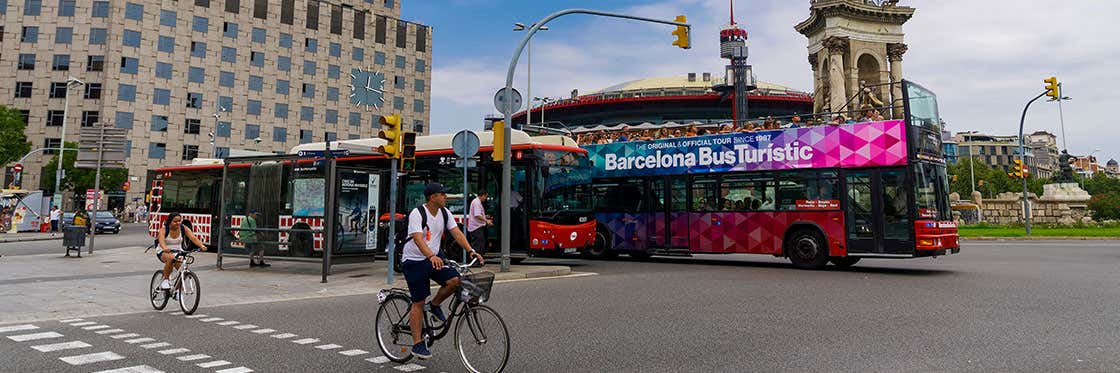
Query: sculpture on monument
[[1064, 161]]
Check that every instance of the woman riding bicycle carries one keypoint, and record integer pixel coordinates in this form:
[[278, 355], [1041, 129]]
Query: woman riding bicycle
[[170, 237]]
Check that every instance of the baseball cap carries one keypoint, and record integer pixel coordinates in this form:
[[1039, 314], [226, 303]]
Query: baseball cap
[[434, 188]]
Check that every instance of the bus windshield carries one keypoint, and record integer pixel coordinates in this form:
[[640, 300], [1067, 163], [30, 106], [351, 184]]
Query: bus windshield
[[564, 182]]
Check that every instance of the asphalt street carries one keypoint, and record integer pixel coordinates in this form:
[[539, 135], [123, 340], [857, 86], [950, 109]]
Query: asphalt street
[[998, 306], [131, 235]]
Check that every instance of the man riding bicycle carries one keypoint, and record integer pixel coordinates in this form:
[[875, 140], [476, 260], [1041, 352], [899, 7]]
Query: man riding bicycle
[[421, 262]]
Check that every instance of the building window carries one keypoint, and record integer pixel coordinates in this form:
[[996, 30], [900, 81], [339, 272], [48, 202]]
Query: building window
[[25, 115], [200, 24], [355, 119], [196, 75], [401, 63], [202, 3], [95, 63], [192, 126], [93, 91], [335, 49], [336, 19], [260, 9], [379, 58], [54, 118], [259, 35], [61, 62], [91, 118], [161, 96], [51, 143], [307, 113], [358, 54], [123, 120], [130, 38], [159, 123], [313, 15], [58, 90], [418, 126], [398, 103], [379, 26], [157, 150], [256, 59], [32, 7], [229, 55], [100, 9], [398, 82], [402, 34], [134, 11], [421, 38], [305, 136], [233, 6], [27, 61], [223, 129], [287, 11], [332, 94], [63, 35], [98, 36], [418, 106], [23, 89], [333, 71], [331, 116], [221, 152], [225, 79], [284, 63], [280, 111], [125, 92], [252, 131], [198, 49], [194, 100], [253, 107], [418, 85], [168, 18], [30, 34], [66, 8], [129, 65], [311, 45], [190, 152], [229, 30], [309, 68], [226, 102], [308, 90], [360, 25], [420, 65], [256, 83], [282, 87], [352, 136], [279, 134], [330, 136], [166, 44]]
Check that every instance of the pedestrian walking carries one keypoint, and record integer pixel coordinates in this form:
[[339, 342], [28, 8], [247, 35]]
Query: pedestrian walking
[[477, 221], [248, 236], [56, 217]]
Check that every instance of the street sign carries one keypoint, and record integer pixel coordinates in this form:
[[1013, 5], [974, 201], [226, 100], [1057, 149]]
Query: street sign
[[507, 108], [465, 144], [17, 168], [470, 163], [102, 146], [320, 153]]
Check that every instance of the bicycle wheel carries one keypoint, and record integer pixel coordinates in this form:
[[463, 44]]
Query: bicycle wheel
[[482, 339], [157, 296], [189, 293], [393, 334]]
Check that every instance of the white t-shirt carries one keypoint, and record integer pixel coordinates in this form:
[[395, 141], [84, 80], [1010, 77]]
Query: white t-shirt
[[56, 214], [415, 225]]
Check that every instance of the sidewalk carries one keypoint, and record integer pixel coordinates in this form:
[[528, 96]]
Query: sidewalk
[[50, 286], [28, 236]]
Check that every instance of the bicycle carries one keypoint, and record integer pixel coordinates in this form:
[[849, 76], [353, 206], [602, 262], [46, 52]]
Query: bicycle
[[486, 332], [184, 285]]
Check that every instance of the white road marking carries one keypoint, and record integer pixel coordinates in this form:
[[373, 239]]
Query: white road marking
[[135, 369], [193, 357], [378, 360], [139, 340], [16, 328], [305, 341], [91, 358], [409, 367], [174, 351], [83, 323], [228, 323], [61, 346], [96, 327], [263, 331], [71, 320], [196, 316], [155, 345], [283, 336], [125, 335], [354, 352], [176, 313], [245, 326], [35, 336], [109, 331], [330, 346], [216, 363], [235, 370], [212, 319]]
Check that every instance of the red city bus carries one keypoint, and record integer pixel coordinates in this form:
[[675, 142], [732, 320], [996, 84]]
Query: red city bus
[[812, 194], [551, 201]]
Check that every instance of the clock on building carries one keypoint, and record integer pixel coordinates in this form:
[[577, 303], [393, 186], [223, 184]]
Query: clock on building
[[367, 88]]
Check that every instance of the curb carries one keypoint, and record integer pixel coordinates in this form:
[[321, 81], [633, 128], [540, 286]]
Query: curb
[[1055, 238], [27, 239]]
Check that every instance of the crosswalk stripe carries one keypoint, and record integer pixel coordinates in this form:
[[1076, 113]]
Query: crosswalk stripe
[[263, 331], [96, 327], [196, 316], [139, 340], [16, 328], [216, 363], [35, 336], [109, 331], [67, 321], [330, 346], [211, 319], [193, 357], [61, 346], [174, 351], [305, 341], [235, 370], [83, 323], [228, 323], [409, 368], [354, 352], [378, 360], [135, 369], [245, 326], [125, 335], [283, 336], [155, 345], [91, 358]]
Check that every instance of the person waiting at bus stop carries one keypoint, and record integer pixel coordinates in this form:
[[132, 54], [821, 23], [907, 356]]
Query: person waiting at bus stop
[[249, 238], [421, 262], [477, 222]]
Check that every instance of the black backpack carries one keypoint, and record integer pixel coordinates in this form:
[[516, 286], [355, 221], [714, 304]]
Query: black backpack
[[187, 244]]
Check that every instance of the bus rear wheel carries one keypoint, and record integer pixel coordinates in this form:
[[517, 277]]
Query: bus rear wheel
[[600, 249], [806, 249], [844, 261]]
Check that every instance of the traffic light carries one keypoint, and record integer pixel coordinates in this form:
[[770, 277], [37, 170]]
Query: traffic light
[[1053, 89], [499, 129], [391, 132], [954, 178], [1017, 169], [408, 152], [980, 183], [683, 38]]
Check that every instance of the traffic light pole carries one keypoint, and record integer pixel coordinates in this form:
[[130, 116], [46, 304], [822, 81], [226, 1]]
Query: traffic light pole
[[391, 244], [507, 167], [1022, 159]]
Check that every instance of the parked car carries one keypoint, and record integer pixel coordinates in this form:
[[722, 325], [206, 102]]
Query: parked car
[[106, 222]]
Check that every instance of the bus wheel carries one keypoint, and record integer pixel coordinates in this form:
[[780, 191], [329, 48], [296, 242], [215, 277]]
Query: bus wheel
[[844, 261], [600, 249], [806, 249]]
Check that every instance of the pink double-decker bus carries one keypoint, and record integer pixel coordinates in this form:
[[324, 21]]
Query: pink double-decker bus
[[817, 194]]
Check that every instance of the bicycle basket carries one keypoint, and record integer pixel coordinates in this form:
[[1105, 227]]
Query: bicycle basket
[[476, 287]]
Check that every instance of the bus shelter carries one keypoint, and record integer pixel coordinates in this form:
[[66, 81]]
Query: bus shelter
[[283, 204]]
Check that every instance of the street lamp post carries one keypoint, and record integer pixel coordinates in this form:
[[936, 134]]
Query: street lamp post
[[213, 134], [57, 199], [1061, 117], [544, 102], [529, 67]]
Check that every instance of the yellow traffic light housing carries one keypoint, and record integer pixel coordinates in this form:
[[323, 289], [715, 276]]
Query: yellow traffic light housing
[[391, 133], [408, 152], [499, 152], [684, 40], [1017, 170], [1053, 89]]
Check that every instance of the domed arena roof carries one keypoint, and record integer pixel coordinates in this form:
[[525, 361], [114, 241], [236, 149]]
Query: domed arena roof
[[1112, 162], [689, 81]]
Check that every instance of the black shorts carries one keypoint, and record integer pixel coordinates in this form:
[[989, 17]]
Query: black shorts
[[418, 273], [159, 254]]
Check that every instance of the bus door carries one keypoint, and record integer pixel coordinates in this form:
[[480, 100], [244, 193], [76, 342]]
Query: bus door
[[658, 214], [876, 212]]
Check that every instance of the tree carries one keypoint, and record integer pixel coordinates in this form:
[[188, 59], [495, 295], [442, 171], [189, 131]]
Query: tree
[[1105, 206], [80, 179], [995, 179], [13, 142]]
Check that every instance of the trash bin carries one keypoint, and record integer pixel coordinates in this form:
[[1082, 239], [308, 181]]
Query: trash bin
[[74, 238]]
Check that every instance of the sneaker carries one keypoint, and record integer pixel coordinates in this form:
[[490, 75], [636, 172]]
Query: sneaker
[[437, 311], [420, 350], [165, 285], [252, 263], [263, 264]]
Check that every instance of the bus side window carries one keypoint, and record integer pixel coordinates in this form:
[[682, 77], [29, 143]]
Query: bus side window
[[793, 187], [704, 195]]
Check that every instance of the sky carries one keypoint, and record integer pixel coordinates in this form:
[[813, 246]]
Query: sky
[[984, 59]]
